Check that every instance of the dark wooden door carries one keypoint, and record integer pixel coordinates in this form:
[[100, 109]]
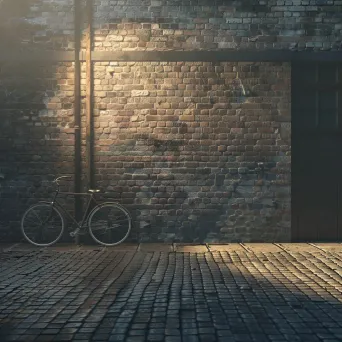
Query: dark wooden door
[[316, 152]]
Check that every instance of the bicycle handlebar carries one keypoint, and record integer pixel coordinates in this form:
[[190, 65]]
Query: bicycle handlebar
[[58, 178]]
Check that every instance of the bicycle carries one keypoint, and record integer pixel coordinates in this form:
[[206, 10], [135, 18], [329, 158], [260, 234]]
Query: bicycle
[[43, 223]]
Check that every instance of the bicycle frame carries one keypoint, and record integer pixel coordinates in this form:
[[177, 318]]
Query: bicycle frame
[[85, 215], [109, 228]]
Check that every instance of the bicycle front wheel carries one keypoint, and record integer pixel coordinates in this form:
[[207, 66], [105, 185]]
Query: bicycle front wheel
[[109, 224], [42, 224]]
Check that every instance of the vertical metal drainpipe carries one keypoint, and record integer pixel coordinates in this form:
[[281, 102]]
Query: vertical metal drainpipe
[[77, 108], [89, 95]]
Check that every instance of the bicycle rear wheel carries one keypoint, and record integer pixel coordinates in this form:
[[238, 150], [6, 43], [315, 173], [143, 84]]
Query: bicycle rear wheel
[[109, 224], [42, 224]]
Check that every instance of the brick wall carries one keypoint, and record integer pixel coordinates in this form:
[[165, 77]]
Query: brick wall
[[207, 24], [178, 143], [36, 135], [174, 142], [36, 24], [36, 107]]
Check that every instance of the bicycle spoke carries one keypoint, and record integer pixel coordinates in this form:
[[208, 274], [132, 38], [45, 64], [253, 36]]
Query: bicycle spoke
[[107, 228], [42, 224], [37, 216], [109, 224], [121, 220], [34, 222]]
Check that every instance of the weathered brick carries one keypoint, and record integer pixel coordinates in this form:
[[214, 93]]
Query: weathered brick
[[175, 138], [173, 124]]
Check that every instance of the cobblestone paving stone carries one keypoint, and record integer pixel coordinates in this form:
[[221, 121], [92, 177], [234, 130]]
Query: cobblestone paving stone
[[250, 294]]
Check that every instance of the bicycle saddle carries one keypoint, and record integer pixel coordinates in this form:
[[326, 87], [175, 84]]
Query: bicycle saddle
[[94, 191]]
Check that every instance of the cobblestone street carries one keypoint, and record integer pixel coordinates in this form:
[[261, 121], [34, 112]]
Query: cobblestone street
[[152, 292]]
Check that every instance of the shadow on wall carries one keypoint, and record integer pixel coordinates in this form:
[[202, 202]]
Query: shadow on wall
[[15, 28], [36, 110], [36, 24], [180, 24]]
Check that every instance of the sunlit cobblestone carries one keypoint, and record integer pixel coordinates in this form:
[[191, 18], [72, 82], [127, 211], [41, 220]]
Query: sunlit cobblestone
[[134, 294]]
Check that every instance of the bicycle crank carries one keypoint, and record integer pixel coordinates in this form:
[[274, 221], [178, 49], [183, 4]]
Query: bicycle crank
[[75, 232]]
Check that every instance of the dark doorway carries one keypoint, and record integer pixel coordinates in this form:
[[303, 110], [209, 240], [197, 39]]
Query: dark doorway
[[316, 151]]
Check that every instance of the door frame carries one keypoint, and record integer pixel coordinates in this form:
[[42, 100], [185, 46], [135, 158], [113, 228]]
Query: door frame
[[295, 135]]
